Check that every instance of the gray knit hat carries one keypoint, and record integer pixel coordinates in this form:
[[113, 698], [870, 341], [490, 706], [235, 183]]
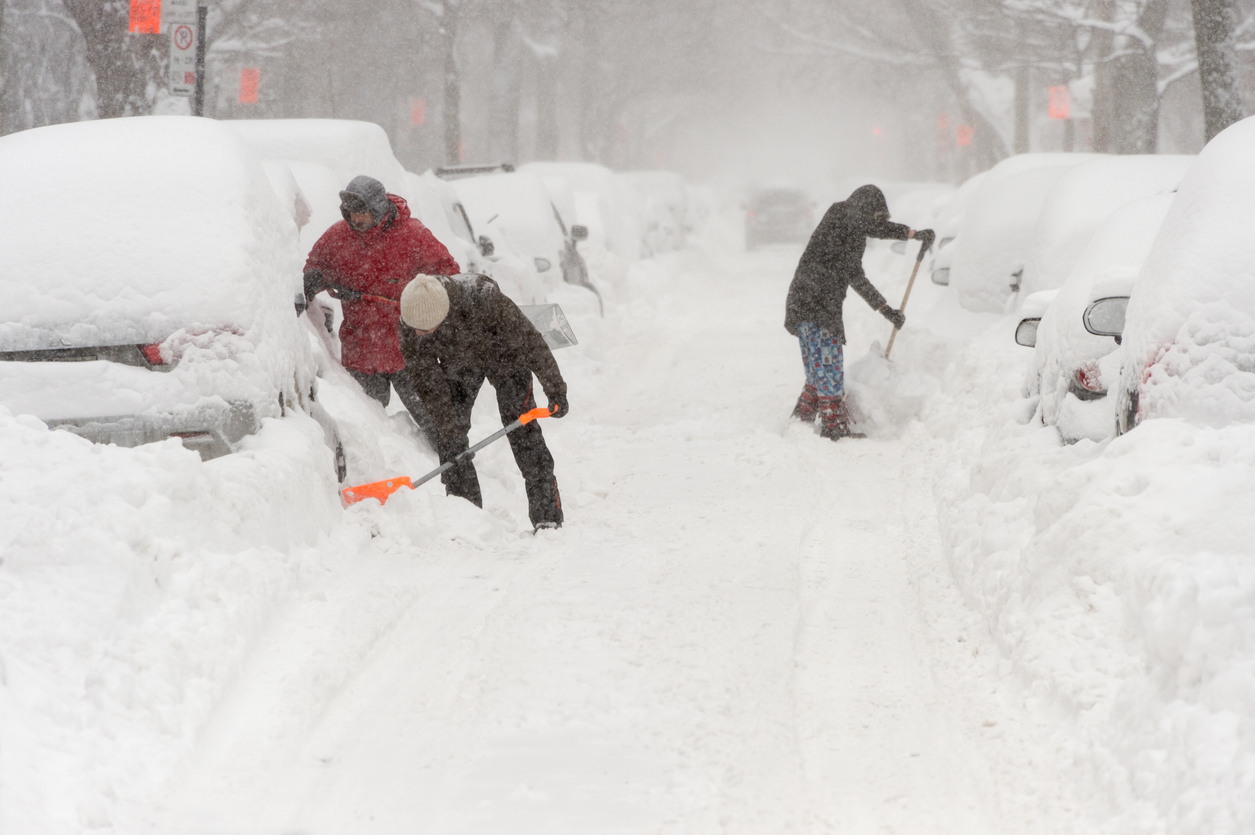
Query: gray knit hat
[[424, 303], [366, 194]]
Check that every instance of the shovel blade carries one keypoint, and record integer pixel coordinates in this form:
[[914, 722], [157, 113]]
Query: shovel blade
[[380, 490]]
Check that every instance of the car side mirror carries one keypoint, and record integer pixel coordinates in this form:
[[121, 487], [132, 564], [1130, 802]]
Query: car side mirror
[[579, 233], [1026, 333], [302, 303], [941, 276], [486, 247], [542, 264], [1105, 317], [899, 247]]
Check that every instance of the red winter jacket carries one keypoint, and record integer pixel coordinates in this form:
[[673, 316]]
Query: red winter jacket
[[380, 262]]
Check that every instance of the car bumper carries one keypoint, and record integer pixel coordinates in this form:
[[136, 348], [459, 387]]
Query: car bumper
[[109, 403], [210, 431]]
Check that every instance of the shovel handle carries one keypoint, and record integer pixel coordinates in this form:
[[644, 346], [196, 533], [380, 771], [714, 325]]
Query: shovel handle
[[919, 259], [381, 490]]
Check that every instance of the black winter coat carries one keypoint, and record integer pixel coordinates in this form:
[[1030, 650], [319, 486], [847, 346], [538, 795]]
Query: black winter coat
[[833, 261], [484, 335]]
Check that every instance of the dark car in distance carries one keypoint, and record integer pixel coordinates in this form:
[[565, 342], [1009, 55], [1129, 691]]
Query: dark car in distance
[[778, 215]]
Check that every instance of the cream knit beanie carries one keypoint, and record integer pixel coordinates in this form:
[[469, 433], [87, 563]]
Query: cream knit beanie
[[424, 303]]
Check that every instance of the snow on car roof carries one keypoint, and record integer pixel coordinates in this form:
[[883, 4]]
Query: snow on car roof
[[347, 147], [1083, 199], [996, 233], [159, 222]]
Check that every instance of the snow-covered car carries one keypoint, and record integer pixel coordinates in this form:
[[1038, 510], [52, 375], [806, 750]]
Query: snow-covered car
[[949, 216], [778, 215], [996, 233], [165, 304], [1073, 364], [1188, 337], [1082, 201], [598, 200], [513, 211], [665, 202]]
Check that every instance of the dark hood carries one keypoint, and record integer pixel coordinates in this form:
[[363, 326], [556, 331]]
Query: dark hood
[[371, 192], [866, 201]]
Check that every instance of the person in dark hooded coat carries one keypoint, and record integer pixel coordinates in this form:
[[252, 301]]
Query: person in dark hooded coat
[[832, 263]]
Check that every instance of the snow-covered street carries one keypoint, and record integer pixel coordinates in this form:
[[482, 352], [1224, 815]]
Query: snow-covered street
[[829, 418], [742, 628]]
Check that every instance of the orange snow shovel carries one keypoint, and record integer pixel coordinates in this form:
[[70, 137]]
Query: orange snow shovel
[[919, 259], [381, 490]]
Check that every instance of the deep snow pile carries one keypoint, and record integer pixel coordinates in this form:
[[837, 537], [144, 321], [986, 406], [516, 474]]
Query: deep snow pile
[[1118, 579]]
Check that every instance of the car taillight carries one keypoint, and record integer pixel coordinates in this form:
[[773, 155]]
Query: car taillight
[[1088, 378], [152, 353]]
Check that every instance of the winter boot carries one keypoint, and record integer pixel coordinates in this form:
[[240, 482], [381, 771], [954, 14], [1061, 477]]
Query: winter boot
[[807, 405], [544, 504], [836, 420]]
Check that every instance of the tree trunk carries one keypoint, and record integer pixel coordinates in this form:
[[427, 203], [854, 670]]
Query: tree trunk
[[6, 82], [452, 116], [933, 31], [1126, 88], [123, 63], [1214, 42], [547, 108], [589, 140], [1023, 140], [507, 91]]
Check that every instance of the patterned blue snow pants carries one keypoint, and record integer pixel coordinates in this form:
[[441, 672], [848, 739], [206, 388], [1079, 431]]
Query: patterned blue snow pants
[[822, 357]]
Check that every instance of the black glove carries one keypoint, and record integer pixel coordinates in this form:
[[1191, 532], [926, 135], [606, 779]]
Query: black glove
[[558, 407], [344, 294], [925, 237], [897, 317], [313, 284]]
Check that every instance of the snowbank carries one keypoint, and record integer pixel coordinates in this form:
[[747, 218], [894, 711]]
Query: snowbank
[[1189, 339], [1117, 579]]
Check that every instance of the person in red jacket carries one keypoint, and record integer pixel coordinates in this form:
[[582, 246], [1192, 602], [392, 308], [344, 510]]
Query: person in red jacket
[[365, 261]]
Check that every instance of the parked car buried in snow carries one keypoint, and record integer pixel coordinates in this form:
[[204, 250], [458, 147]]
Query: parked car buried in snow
[[1188, 341], [513, 211], [1075, 359], [163, 304]]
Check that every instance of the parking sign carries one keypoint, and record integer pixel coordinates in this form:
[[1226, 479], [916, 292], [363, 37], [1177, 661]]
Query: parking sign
[[183, 59]]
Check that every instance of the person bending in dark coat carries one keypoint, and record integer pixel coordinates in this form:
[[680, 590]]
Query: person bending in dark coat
[[833, 262], [457, 331]]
